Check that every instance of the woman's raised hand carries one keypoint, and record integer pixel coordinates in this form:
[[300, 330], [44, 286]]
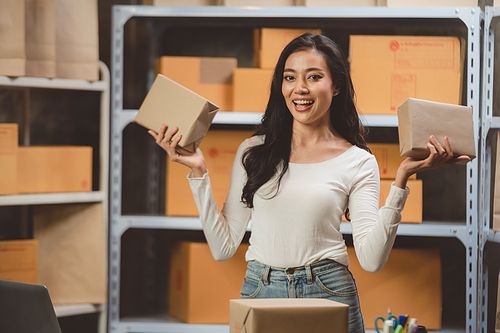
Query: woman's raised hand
[[438, 156], [195, 161]]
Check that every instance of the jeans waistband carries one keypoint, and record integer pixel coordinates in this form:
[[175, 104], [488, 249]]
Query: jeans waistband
[[310, 270]]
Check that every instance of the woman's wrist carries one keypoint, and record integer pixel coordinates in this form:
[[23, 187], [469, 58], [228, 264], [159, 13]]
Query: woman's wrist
[[199, 172], [402, 176]]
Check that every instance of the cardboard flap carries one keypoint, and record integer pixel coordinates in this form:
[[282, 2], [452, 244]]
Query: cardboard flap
[[200, 127], [239, 314]]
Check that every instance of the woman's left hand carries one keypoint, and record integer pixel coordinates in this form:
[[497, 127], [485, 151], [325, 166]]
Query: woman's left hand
[[438, 156]]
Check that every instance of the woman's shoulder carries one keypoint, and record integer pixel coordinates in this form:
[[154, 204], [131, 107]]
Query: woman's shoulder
[[253, 141], [361, 157]]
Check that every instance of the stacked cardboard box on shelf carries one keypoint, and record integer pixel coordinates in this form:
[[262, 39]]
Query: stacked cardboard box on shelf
[[19, 260], [388, 160], [424, 67], [42, 169]]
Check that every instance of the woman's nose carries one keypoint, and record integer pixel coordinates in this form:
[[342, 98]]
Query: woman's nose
[[301, 87]]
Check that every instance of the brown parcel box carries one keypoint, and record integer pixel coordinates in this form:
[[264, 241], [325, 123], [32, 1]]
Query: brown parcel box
[[386, 70], [219, 149], [167, 102], [251, 88], [72, 252], [54, 169], [19, 260], [419, 119], [200, 287], [284, 315], [209, 77], [269, 42], [8, 158], [410, 282], [388, 159]]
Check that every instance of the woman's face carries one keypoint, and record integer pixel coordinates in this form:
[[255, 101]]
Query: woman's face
[[308, 87]]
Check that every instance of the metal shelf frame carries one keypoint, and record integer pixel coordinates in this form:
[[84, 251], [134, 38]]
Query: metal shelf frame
[[467, 232], [102, 86]]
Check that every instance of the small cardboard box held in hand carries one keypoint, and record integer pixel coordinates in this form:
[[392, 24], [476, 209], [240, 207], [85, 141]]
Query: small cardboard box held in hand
[[167, 102], [283, 315], [419, 119]]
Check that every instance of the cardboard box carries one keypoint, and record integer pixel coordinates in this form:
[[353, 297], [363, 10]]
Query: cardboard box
[[169, 103], [8, 158], [211, 78], [269, 42], [419, 119], [410, 283], [200, 287], [343, 3], [283, 315], [388, 159], [252, 87], [412, 213], [19, 260], [399, 67], [432, 3], [184, 3], [263, 3], [219, 149], [54, 169], [496, 183], [72, 255], [12, 38]]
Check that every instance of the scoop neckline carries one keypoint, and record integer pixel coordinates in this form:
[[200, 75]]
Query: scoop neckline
[[325, 161]]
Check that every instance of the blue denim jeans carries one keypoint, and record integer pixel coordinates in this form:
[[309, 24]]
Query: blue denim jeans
[[324, 279]]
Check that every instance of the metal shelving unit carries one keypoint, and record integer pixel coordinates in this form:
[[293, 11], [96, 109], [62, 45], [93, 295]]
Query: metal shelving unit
[[466, 231], [101, 86]]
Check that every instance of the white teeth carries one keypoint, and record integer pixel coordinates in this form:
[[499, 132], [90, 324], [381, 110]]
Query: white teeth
[[303, 102]]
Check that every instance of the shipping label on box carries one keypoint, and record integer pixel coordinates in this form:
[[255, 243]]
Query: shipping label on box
[[413, 277], [251, 87], [412, 212], [209, 77], [269, 42], [200, 287], [404, 66], [54, 169], [19, 260], [219, 149], [283, 315], [419, 119], [8, 158]]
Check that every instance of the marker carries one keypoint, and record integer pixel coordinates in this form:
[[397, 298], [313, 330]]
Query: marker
[[389, 326]]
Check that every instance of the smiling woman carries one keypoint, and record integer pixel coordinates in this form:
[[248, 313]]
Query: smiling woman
[[295, 178]]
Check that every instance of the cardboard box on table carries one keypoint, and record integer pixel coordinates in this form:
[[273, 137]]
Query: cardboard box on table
[[283, 315], [219, 149], [8, 158], [209, 77], [19, 260], [410, 283], [419, 119], [72, 252], [54, 169], [251, 89], [269, 42], [386, 70], [200, 287]]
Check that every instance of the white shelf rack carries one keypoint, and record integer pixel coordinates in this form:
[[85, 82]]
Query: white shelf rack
[[469, 18], [102, 86]]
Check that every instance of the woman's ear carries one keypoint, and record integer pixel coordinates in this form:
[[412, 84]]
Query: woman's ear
[[335, 91]]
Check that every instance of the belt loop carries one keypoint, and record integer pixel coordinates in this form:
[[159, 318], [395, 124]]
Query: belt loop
[[265, 277], [309, 274]]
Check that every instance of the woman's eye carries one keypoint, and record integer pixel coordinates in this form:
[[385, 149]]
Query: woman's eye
[[288, 78], [315, 77]]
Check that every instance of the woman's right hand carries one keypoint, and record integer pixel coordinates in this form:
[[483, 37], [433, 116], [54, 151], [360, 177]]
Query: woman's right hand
[[195, 161]]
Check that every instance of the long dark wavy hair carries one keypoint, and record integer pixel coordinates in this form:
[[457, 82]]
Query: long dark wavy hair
[[262, 162]]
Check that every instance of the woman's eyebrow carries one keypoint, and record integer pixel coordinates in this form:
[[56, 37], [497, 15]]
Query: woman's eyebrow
[[312, 69]]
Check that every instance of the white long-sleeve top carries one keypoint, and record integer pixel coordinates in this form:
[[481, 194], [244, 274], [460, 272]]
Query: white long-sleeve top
[[301, 223]]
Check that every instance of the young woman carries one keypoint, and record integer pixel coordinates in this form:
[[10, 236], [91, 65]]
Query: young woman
[[307, 165]]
